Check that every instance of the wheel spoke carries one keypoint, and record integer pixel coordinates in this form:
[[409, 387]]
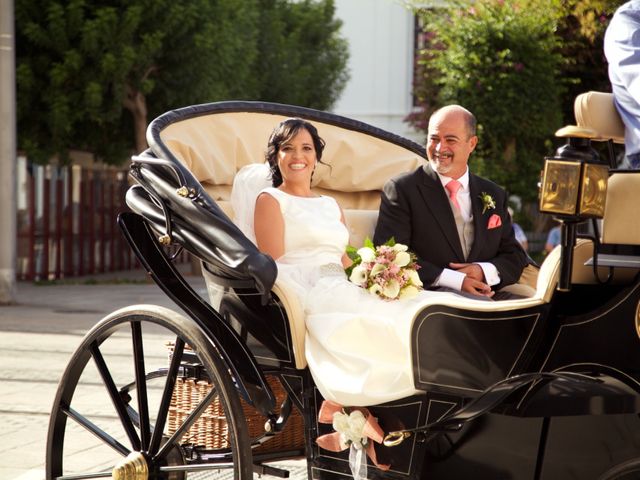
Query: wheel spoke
[[133, 415], [95, 430], [83, 476], [119, 405], [188, 422], [199, 467], [141, 384], [165, 402]]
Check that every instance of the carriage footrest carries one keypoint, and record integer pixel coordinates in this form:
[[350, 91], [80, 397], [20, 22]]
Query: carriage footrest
[[261, 469], [596, 395]]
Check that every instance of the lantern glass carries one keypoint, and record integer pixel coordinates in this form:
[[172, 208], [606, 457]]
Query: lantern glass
[[560, 187], [594, 190]]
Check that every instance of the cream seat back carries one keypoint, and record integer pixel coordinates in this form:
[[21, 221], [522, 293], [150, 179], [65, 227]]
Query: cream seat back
[[214, 147]]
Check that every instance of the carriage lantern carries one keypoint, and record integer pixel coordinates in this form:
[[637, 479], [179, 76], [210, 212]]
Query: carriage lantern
[[573, 189]]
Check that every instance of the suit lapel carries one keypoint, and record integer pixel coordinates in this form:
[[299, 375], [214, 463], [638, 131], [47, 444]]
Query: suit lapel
[[437, 202]]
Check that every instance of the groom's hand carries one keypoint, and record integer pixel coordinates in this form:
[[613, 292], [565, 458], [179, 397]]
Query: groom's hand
[[476, 287], [472, 270]]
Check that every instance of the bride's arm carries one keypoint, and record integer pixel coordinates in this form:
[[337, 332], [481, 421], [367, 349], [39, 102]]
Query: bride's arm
[[269, 226]]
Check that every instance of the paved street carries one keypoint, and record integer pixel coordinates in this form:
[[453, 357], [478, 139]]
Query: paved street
[[37, 337]]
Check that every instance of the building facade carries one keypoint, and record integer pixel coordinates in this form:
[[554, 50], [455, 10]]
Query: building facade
[[381, 35]]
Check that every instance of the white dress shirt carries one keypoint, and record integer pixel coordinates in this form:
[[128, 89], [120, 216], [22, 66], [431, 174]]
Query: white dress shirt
[[453, 278]]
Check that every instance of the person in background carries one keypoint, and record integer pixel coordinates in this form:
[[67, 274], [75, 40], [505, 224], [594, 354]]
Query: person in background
[[521, 237], [553, 239], [622, 49]]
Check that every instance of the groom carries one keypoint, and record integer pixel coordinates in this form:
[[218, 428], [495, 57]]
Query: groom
[[455, 222]]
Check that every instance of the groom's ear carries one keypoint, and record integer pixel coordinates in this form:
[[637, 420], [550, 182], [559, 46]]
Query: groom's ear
[[473, 141]]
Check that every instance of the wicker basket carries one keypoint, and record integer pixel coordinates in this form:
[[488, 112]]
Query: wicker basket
[[210, 431]]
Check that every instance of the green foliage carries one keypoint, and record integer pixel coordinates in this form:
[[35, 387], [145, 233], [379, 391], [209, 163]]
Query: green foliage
[[518, 65], [301, 58], [91, 73], [582, 35], [500, 60]]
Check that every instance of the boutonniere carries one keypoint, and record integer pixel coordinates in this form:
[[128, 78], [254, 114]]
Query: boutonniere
[[488, 203]]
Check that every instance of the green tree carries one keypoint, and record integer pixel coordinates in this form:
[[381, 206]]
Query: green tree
[[500, 60], [92, 73], [582, 37], [301, 57]]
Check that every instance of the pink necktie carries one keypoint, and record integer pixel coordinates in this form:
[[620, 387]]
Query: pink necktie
[[452, 187]]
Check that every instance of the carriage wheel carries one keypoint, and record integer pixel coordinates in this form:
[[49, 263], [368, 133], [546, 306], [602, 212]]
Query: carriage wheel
[[114, 416], [628, 470]]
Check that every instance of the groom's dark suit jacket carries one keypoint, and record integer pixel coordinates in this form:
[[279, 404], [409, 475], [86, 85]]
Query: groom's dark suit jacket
[[415, 211]]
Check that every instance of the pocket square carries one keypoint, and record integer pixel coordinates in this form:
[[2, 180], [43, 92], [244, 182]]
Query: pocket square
[[494, 221]]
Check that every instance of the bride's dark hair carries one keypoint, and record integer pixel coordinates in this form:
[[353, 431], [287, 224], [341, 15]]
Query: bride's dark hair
[[285, 131]]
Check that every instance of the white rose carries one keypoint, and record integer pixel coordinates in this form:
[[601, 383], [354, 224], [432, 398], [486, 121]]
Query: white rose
[[377, 269], [356, 427], [341, 425], [408, 292], [350, 427], [340, 422], [414, 278], [367, 254], [399, 247], [391, 289], [402, 259], [358, 275]]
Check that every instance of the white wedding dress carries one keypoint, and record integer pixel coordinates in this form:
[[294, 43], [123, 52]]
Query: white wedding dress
[[357, 345]]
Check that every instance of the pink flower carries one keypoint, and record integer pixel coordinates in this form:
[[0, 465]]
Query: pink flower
[[388, 271]]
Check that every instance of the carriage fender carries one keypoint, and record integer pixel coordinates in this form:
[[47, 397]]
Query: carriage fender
[[199, 340]]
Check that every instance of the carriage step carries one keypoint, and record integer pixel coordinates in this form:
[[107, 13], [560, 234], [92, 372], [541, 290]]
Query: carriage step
[[261, 469]]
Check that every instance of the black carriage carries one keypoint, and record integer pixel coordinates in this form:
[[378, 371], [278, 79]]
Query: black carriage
[[545, 387]]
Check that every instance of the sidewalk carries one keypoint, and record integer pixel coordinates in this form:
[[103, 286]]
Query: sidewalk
[[37, 337]]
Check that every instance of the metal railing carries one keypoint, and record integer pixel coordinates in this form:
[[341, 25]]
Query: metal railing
[[66, 221]]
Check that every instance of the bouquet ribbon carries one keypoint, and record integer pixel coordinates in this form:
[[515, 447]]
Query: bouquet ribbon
[[332, 442]]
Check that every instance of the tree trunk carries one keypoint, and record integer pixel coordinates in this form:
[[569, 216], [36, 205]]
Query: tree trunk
[[136, 103]]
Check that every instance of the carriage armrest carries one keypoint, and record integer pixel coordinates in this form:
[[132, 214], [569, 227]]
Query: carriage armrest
[[596, 117], [295, 315], [597, 111]]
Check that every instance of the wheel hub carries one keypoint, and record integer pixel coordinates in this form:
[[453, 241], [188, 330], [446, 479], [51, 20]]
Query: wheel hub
[[133, 467]]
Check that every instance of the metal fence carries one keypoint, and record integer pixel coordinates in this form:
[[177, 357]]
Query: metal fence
[[67, 221]]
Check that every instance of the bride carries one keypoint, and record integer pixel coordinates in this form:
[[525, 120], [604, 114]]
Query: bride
[[357, 345]]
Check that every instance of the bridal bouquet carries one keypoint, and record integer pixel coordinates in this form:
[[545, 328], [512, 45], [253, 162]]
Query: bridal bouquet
[[389, 271]]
